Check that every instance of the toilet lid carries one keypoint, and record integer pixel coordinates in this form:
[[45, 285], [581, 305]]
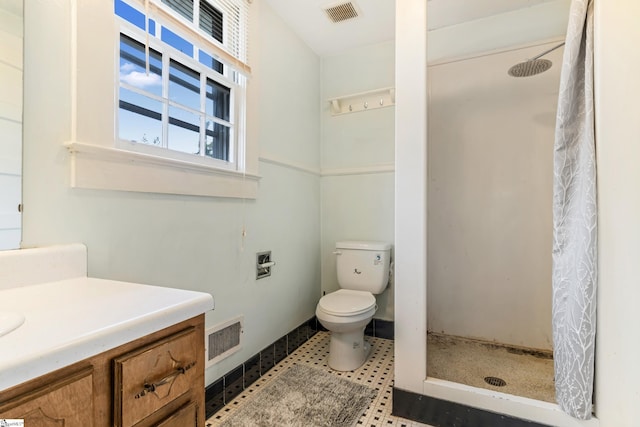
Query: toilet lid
[[345, 302]]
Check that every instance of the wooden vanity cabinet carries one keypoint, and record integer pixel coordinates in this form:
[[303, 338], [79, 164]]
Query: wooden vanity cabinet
[[157, 380], [67, 402]]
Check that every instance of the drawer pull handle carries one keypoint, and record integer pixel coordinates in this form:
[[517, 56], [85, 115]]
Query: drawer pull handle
[[150, 388]]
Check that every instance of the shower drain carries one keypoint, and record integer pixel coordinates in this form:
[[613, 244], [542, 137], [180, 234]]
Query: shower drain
[[495, 381]]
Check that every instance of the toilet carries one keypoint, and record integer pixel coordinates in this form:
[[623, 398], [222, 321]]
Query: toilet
[[363, 271]]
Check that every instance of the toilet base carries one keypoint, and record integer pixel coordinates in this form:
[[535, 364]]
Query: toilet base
[[348, 350]]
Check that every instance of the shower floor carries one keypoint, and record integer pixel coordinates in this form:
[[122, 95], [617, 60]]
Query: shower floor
[[465, 361]]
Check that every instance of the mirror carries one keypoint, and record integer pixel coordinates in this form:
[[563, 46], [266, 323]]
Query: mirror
[[11, 71]]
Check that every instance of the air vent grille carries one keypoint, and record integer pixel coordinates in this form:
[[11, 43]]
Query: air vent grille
[[223, 340], [342, 12]]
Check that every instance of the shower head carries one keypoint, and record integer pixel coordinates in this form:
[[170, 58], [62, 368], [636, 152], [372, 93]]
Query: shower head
[[532, 66]]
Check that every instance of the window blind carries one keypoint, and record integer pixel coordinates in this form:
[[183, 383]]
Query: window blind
[[222, 26], [183, 7], [236, 28], [211, 21]]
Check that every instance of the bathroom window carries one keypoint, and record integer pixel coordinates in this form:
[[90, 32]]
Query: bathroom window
[[179, 97]]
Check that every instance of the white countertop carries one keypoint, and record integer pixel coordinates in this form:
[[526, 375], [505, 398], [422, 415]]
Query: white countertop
[[73, 319]]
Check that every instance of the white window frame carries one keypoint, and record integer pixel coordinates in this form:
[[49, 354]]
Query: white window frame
[[101, 161], [237, 107]]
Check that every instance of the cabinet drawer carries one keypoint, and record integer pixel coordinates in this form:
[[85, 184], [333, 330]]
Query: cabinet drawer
[[153, 376], [184, 417], [67, 402]]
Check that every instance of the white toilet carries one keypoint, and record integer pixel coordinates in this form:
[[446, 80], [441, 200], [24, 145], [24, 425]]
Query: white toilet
[[363, 270]]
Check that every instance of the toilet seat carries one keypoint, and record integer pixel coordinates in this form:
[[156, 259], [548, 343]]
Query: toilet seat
[[346, 302]]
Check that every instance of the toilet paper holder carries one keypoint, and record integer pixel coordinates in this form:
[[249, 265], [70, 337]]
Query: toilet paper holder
[[263, 264]]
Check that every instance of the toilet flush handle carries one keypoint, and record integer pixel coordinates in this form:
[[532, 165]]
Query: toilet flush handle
[[337, 253]]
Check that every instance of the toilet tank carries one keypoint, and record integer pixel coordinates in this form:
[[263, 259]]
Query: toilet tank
[[362, 265]]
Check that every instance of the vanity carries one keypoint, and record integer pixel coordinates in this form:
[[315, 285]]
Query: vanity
[[95, 352]]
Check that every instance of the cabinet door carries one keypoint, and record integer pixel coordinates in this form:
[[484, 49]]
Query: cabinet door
[[64, 403], [148, 379]]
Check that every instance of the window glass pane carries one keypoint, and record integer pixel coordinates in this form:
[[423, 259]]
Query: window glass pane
[[140, 118], [174, 40], [133, 66], [216, 143], [183, 7], [129, 14], [218, 100], [211, 20], [142, 101], [184, 131], [207, 60], [184, 85]]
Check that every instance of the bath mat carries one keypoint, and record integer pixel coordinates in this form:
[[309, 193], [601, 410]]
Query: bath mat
[[304, 397]]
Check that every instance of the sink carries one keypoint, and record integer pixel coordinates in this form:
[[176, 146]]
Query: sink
[[10, 321]]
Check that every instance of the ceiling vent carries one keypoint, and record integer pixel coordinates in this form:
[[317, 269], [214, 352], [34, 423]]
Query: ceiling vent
[[342, 12]]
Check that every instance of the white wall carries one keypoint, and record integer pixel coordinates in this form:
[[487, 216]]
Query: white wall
[[617, 130], [411, 157], [410, 349], [181, 241], [357, 152], [10, 122], [490, 193], [541, 21], [617, 86]]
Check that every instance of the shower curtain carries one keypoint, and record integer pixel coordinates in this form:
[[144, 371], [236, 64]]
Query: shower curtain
[[575, 220]]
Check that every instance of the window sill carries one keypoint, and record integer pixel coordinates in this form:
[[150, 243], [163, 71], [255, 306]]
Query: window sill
[[107, 168]]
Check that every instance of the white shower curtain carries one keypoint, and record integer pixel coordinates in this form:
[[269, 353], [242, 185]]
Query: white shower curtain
[[575, 220]]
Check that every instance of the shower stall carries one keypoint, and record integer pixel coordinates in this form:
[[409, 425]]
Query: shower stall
[[490, 190]]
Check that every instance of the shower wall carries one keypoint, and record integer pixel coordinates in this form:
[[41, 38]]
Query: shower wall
[[490, 151]]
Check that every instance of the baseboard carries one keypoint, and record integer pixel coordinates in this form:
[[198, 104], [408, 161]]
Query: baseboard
[[376, 328], [442, 413], [379, 328]]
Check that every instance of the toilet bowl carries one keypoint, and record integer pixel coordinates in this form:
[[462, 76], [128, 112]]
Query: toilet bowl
[[362, 271], [346, 313]]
